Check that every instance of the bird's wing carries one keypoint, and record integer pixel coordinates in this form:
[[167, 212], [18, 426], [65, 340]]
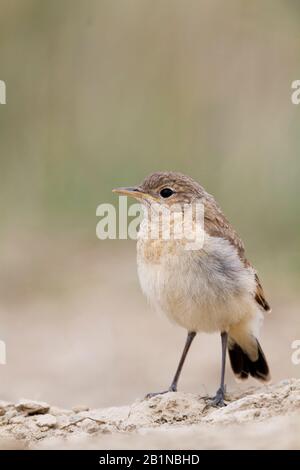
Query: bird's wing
[[260, 296], [216, 225]]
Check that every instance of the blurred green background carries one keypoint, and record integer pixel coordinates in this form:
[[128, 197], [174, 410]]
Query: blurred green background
[[102, 92]]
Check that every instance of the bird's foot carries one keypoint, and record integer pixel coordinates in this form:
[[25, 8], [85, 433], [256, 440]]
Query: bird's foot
[[218, 399], [173, 388]]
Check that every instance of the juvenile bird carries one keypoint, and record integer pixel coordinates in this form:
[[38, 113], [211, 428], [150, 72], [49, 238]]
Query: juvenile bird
[[213, 288]]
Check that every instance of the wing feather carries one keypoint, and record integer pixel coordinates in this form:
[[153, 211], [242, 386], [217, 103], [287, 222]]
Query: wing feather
[[216, 225]]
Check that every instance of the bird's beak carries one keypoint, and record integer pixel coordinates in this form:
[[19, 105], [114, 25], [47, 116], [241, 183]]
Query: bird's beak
[[133, 192]]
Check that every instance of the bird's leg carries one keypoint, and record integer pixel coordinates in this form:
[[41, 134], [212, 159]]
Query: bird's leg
[[191, 335], [173, 387], [218, 400]]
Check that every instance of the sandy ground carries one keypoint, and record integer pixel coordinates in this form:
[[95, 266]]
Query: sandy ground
[[78, 332], [268, 418]]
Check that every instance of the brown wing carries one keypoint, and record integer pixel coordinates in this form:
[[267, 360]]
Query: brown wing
[[260, 296], [216, 225]]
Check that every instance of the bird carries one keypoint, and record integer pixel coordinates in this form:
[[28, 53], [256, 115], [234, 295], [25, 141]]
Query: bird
[[213, 288]]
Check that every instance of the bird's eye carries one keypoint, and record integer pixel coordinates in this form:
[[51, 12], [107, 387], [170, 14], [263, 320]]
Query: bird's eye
[[166, 192]]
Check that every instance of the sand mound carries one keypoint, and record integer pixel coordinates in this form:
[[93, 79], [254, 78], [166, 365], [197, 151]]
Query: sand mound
[[255, 419]]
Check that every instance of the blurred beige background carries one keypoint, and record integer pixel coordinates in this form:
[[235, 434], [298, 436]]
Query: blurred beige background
[[99, 94]]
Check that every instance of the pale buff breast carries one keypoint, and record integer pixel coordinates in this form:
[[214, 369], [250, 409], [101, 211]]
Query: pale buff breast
[[204, 290]]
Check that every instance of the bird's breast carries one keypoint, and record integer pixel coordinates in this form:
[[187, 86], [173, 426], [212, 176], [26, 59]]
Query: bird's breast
[[198, 289]]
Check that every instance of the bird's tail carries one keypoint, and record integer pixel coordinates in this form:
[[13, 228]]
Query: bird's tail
[[248, 361]]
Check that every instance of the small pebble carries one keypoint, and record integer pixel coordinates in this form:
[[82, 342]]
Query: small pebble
[[32, 407], [80, 408], [46, 420]]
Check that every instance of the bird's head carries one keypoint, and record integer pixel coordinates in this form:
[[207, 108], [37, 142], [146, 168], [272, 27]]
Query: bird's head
[[166, 188]]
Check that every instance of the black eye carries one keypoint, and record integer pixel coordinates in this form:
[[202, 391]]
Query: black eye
[[166, 192]]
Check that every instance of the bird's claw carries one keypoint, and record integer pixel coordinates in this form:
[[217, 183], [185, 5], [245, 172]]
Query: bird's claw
[[218, 400], [154, 394]]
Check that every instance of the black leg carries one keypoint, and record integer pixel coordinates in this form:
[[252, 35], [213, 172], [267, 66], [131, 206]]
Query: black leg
[[173, 387], [218, 400]]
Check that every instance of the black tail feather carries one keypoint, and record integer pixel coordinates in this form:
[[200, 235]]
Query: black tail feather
[[242, 365]]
